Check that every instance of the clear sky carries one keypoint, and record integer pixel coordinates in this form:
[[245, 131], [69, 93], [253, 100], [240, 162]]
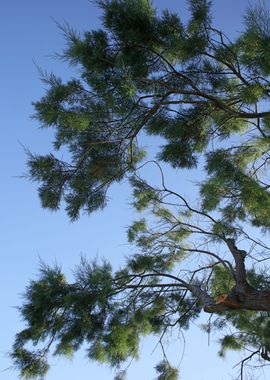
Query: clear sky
[[28, 34]]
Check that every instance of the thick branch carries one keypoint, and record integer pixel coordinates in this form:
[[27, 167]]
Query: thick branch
[[258, 300], [240, 269]]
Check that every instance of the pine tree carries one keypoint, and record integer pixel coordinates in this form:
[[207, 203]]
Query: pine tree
[[207, 98]]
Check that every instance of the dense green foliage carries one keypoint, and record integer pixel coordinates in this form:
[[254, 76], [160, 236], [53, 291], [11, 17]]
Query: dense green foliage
[[205, 98]]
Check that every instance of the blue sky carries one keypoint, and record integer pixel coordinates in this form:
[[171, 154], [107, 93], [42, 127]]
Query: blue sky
[[28, 233]]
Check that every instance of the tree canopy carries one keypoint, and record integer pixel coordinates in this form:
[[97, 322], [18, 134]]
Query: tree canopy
[[205, 99]]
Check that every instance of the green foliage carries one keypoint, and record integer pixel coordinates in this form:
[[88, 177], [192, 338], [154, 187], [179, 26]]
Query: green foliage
[[143, 194], [166, 372], [86, 311], [228, 177], [120, 15], [252, 94], [31, 365], [252, 330], [222, 281], [186, 134], [229, 342], [203, 99], [138, 226], [254, 44], [121, 91]]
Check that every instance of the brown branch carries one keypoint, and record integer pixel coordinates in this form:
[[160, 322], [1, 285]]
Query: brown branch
[[240, 269]]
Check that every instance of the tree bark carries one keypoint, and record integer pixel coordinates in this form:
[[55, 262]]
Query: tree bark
[[250, 300]]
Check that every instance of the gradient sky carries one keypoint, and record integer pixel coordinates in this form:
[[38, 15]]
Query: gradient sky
[[29, 36]]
